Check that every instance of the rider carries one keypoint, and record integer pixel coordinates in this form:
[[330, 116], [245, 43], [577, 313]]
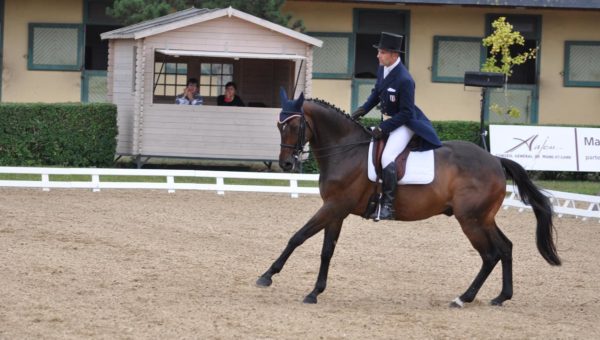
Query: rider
[[401, 118]]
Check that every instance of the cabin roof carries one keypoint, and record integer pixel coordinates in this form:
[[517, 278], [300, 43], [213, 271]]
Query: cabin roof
[[193, 16]]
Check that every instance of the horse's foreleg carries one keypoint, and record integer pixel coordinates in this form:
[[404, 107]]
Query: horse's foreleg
[[313, 226], [332, 232]]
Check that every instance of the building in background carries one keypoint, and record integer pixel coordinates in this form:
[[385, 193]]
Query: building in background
[[443, 40], [51, 52]]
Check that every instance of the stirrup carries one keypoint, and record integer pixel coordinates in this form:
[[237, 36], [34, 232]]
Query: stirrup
[[375, 215]]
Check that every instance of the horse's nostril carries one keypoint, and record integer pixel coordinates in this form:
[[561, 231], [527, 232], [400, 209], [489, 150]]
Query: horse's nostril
[[286, 166]]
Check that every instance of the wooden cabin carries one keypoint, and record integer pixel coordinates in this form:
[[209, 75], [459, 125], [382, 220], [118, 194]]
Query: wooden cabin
[[149, 64]]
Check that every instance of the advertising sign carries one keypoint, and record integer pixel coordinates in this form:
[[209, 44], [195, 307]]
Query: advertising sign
[[588, 148], [547, 147]]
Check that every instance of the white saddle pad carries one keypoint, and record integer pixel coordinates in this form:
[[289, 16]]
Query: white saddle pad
[[419, 167]]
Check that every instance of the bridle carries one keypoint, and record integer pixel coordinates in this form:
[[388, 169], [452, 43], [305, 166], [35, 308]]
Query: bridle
[[298, 148]]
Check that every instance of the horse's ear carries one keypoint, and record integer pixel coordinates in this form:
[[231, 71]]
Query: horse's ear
[[283, 95], [301, 98]]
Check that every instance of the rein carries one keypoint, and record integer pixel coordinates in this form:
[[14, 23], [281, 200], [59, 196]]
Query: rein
[[299, 146]]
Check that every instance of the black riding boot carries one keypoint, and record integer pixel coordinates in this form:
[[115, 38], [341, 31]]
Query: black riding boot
[[385, 211]]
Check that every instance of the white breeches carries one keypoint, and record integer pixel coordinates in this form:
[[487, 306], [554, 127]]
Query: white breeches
[[396, 142]]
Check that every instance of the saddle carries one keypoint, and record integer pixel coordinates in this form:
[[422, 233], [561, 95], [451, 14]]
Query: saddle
[[379, 145]]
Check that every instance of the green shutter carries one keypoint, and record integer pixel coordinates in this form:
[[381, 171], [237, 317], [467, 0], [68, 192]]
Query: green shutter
[[453, 56], [55, 47], [335, 58], [582, 63]]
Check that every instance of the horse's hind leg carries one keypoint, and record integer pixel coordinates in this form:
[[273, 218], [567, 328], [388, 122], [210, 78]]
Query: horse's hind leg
[[332, 232], [492, 246], [506, 259]]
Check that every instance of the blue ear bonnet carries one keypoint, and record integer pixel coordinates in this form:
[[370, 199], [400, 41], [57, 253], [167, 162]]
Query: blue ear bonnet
[[290, 108]]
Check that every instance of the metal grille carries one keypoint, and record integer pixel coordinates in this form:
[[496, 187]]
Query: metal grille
[[333, 56], [55, 46], [521, 99], [97, 89], [456, 57], [584, 63], [364, 91]]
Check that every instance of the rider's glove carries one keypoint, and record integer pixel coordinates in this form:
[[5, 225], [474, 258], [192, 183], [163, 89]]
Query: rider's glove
[[377, 133], [358, 113]]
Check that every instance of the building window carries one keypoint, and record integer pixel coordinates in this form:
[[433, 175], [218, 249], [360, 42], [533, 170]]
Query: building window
[[335, 58], [213, 77], [582, 66], [169, 78], [55, 47], [453, 56]]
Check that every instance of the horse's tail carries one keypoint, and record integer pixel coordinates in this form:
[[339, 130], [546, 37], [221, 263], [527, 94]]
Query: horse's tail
[[542, 208]]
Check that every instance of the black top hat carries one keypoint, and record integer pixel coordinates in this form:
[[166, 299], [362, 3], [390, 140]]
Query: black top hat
[[391, 42]]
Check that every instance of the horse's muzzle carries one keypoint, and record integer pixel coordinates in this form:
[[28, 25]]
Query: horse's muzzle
[[289, 164]]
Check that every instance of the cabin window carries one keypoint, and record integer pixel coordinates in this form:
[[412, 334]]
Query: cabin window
[[169, 78], [55, 47], [213, 77], [333, 60], [453, 56], [581, 63]]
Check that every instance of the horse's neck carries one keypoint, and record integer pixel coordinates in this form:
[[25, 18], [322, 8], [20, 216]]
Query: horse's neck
[[337, 143], [331, 129]]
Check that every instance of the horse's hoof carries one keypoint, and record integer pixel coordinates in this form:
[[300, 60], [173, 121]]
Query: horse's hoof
[[264, 281], [496, 302], [310, 299], [457, 303]]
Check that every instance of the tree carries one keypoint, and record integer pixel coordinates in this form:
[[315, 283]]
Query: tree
[[130, 12], [501, 60], [266, 9]]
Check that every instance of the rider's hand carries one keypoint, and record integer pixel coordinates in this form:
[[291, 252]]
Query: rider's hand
[[358, 113], [377, 133]]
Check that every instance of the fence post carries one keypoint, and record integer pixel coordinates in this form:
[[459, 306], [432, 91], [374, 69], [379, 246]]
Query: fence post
[[45, 182], [95, 183], [220, 186]]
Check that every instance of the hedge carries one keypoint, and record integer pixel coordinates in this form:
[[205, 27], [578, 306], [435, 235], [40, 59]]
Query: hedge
[[66, 134]]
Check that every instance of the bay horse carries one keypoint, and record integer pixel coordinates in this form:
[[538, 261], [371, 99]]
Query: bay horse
[[469, 183]]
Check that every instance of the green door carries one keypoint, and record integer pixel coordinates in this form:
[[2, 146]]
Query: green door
[[368, 25]]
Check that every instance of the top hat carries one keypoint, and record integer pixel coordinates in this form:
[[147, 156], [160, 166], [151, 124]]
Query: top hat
[[391, 42]]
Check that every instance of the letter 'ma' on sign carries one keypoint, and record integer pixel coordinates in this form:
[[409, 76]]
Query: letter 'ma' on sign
[[591, 141]]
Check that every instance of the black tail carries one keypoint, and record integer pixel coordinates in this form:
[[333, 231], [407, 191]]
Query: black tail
[[542, 208]]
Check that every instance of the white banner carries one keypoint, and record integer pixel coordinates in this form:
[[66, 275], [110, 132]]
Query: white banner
[[588, 148], [547, 147]]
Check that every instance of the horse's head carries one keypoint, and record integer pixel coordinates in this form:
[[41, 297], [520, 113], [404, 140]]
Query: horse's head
[[292, 128]]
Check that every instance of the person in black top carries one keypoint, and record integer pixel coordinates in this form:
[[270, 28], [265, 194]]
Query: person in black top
[[230, 98]]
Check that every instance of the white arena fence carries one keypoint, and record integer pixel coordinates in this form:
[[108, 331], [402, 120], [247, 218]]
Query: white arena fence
[[581, 206]]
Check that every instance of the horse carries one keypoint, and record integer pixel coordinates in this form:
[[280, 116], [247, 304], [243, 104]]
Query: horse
[[469, 183]]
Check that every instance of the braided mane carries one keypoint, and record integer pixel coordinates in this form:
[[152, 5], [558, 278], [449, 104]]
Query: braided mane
[[334, 108]]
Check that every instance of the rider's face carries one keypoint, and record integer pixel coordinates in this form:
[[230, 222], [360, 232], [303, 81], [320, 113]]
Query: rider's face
[[386, 58]]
